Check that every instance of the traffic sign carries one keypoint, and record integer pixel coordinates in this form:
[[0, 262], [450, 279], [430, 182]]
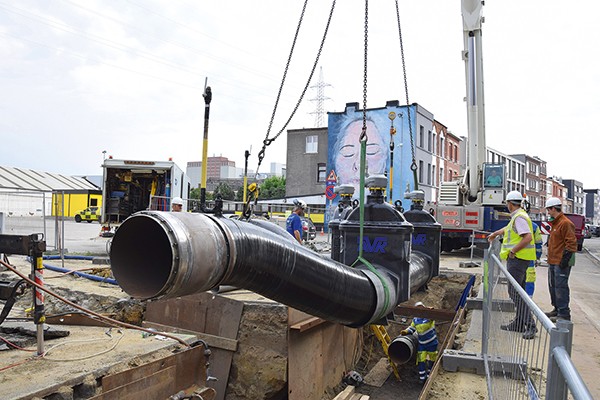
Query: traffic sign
[[332, 176], [545, 228], [329, 193]]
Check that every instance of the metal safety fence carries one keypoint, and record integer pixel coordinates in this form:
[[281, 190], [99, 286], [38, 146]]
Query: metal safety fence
[[522, 363]]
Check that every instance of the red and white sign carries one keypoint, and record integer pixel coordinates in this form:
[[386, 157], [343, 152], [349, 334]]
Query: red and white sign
[[545, 228]]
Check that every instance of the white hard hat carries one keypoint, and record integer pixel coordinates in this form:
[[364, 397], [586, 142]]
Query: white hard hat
[[177, 200], [553, 202], [300, 204], [418, 303], [515, 196]]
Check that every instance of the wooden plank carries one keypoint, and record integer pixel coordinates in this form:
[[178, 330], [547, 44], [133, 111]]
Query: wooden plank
[[423, 312], [159, 385], [80, 319], [448, 342], [211, 340], [307, 324], [296, 316], [189, 361], [345, 394], [204, 313], [317, 357], [334, 362], [305, 364], [379, 373], [223, 316], [186, 312]]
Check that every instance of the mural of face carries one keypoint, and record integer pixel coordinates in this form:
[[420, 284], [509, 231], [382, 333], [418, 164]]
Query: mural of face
[[347, 157]]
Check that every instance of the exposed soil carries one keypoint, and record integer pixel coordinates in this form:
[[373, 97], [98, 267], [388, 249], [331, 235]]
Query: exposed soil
[[443, 292]]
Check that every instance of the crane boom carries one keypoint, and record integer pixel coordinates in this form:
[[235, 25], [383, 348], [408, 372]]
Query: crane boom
[[472, 15]]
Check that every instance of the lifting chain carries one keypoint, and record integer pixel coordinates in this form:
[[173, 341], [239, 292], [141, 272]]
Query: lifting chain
[[413, 166], [363, 135], [268, 141]]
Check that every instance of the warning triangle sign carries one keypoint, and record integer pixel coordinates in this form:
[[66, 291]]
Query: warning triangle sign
[[332, 176]]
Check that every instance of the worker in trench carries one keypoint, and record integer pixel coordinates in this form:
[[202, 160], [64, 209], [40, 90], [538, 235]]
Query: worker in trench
[[427, 350]]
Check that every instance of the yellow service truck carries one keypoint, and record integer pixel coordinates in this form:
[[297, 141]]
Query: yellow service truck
[[133, 185], [89, 214]]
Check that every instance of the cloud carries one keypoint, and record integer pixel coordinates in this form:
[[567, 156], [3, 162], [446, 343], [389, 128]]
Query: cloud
[[128, 76]]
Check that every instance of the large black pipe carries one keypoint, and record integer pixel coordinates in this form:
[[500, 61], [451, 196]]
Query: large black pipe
[[159, 255]]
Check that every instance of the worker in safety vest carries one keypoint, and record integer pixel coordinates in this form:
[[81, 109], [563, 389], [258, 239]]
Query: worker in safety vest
[[530, 275], [428, 343], [518, 249]]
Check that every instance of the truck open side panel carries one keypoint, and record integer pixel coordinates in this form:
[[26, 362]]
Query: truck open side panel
[[132, 186]]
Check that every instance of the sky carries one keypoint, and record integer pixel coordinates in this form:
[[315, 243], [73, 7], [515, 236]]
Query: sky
[[84, 79]]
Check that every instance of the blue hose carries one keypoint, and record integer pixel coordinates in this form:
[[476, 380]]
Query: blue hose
[[68, 257], [81, 274]]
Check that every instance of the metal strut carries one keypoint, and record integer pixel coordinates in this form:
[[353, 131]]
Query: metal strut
[[218, 207]]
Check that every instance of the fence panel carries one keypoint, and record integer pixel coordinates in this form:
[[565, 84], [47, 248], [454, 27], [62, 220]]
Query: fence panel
[[519, 365]]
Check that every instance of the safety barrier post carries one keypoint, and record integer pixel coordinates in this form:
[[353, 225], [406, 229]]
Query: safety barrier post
[[556, 386], [487, 300], [36, 250]]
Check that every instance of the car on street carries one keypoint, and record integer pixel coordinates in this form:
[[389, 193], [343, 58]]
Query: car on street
[[309, 231], [587, 232]]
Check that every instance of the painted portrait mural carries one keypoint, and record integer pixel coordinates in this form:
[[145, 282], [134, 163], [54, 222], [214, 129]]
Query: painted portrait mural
[[344, 130]]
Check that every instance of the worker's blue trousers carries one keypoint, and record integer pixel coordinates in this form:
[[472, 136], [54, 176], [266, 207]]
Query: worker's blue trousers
[[558, 283]]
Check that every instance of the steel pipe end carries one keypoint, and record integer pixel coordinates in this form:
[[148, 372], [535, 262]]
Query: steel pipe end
[[156, 254], [403, 348], [141, 257]]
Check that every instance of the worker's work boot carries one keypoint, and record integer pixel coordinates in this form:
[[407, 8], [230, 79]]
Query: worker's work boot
[[552, 313], [513, 326], [559, 317], [530, 333]]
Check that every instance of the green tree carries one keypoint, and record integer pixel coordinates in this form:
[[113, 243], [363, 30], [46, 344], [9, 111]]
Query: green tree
[[239, 195], [195, 193], [225, 191], [272, 188]]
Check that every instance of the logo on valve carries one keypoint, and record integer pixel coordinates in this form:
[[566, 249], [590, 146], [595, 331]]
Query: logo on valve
[[419, 240], [378, 244]]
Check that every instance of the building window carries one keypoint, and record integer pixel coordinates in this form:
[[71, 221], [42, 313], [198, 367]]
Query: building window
[[321, 172], [312, 144], [420, 171], [441, 175], [434, 142], [428, 140], [442, 148], [429, 174], [421, 136]]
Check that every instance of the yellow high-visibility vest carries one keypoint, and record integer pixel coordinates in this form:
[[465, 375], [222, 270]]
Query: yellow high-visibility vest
[[512, 238]]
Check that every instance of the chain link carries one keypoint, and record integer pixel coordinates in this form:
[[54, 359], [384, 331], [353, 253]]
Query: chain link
[[413, 166], [363, 135], [268, 140]]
